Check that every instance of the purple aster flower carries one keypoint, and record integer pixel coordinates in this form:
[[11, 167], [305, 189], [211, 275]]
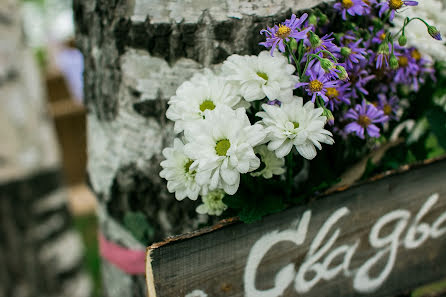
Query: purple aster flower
[[358, 79], [353, 53], [337, 95], [352, 7], [317, 85], [379, 36], [365, 116], [393, 6], [389, 106], [279, 34], [408, 70]]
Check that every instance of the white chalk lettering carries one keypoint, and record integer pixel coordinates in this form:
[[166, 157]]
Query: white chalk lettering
[[405, 231]]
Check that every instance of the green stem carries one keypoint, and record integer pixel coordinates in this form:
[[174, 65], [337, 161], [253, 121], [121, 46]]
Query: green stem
[[294, 58]]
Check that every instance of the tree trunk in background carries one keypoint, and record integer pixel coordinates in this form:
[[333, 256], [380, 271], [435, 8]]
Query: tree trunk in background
[[40, 254], [136, 54]]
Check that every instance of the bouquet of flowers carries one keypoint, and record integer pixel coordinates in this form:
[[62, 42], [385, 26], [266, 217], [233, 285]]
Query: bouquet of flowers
[[334, 84]]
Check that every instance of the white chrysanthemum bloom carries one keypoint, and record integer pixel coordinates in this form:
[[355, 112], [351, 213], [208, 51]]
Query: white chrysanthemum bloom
[[222, 147], [271, 165], [261, 76], [212, 203], [200, 93], [179, 173], [295, 124], [433, 12]]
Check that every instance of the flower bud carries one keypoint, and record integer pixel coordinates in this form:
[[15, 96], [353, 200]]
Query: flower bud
[[312, 19], [383, 49], [342, 73], [323, 19], [402, 41], [326, 64], [329, 115], [393, 61], [314, 40], [293, 44], [434, 32], [345, 51]]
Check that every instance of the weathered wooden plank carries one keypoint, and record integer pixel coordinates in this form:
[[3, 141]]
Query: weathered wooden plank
[[376, 239]]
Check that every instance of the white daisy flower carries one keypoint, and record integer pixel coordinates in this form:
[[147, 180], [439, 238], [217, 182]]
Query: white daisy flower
[[202, 92], [222, 147], [271, 165], [179, 173], [212, 203], [433, 12], [295, 124], [261, 76]]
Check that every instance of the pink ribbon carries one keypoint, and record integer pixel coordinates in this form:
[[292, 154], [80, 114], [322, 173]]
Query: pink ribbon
[[129, 261]]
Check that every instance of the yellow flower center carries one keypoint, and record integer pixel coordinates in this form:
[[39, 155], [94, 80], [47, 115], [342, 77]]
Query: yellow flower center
[[395, 4], [364, 121], [415, 54], [387, 109], [332, 93], [283, 31], [382, 36], [403, 61], [315, 86], [347, 3], [262, 75], [222, 147], [207, 104]]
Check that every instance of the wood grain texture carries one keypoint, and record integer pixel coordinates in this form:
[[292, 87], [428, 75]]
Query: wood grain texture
[[214, 261]]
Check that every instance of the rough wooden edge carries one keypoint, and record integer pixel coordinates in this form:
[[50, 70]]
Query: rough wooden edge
[[234, 220], [150, 281]]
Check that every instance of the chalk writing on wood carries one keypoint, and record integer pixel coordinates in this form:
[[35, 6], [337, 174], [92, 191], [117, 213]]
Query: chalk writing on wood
[[378, 238]]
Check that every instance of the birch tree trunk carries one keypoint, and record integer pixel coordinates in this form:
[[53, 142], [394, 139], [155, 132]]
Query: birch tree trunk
[[136, 54], [40, 254]]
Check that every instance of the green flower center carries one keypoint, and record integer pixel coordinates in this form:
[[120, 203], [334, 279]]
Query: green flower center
[[207, 104], [296, 125], [262, 75], [187, 165], [222, 147]]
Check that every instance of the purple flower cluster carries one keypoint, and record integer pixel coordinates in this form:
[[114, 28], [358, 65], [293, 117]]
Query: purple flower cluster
[[355, 76]]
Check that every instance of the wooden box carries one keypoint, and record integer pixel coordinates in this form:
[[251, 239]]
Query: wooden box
[[382, 237]]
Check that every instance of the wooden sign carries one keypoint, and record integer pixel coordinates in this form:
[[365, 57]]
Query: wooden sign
[[376, 239]]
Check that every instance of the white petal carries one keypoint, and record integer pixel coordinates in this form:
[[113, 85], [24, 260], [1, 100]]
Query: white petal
[[306, 150]]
